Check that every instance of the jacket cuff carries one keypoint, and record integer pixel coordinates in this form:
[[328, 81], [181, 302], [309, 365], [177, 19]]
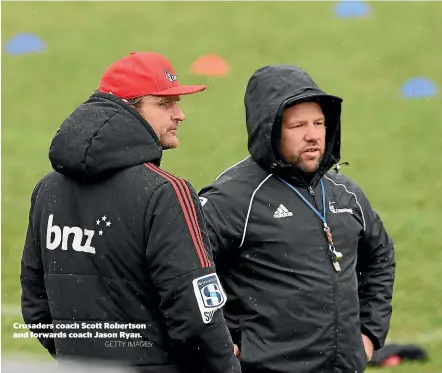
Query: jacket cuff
[[377, 343]]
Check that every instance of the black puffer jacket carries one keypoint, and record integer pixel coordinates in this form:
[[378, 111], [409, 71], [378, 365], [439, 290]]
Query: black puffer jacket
[[116, 248], [287, 308]]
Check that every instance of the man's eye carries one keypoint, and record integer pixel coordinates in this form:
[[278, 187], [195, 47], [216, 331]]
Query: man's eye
[[319, 123], [169, 103]]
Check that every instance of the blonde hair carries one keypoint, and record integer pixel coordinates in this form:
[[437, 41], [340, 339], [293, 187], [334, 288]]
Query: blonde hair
[[137, 101]]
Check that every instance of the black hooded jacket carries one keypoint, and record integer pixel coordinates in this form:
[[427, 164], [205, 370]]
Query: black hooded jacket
[[116, 247], [288, 309]]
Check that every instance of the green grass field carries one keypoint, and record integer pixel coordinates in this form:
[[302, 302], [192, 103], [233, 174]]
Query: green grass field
[[392, 144]]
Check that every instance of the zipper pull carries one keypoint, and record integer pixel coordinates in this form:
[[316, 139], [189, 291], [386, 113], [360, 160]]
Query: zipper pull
[[310, 189]]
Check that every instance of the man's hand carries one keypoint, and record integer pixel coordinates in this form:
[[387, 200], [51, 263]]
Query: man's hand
[[236, 351], [368, 346]]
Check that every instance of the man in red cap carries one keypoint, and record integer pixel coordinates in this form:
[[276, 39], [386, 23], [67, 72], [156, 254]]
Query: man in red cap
[[117, 263], [148, 82]]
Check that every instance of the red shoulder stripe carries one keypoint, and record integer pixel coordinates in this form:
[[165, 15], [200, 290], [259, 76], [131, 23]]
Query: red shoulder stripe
[[190, 219]]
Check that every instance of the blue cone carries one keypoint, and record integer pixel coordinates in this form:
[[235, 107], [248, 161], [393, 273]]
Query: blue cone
[[25, 43], [419, 87], [350, 9]]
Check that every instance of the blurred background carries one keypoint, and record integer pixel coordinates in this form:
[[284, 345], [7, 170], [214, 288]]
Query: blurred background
[[383, 58]]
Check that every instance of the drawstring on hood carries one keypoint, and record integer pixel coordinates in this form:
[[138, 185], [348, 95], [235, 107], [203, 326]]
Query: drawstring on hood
[[272, 89], [338, 166]]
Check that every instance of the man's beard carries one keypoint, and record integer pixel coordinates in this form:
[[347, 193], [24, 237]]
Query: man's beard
[[297, 162]]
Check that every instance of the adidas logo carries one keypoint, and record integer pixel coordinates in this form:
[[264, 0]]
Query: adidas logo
[[282, 212]]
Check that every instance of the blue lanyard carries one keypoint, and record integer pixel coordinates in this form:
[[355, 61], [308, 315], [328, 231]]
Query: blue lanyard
[[322, 217], [335, 256]]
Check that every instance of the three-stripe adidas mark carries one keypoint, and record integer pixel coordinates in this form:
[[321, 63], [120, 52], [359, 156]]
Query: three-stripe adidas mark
[[282, 212]]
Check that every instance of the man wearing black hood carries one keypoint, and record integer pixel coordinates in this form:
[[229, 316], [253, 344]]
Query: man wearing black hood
[[117, 263], [305, 261]]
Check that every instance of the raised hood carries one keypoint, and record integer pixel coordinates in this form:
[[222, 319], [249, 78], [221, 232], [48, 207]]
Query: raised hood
[[269, 91], [102, 136]]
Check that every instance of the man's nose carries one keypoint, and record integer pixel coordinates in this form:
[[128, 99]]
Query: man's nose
[[312, 132], [178, 114]]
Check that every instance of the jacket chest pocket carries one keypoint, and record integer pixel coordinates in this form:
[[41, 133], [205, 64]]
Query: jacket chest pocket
[[287, 244]]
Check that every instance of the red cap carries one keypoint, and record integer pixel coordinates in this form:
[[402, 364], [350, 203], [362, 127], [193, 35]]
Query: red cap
[[141, 74]]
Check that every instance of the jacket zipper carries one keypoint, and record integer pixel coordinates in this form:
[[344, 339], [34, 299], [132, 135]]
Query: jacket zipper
[[333, 275]]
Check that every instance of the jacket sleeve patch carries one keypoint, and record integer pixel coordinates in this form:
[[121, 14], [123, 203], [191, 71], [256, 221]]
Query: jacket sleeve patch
[[209, 295]]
